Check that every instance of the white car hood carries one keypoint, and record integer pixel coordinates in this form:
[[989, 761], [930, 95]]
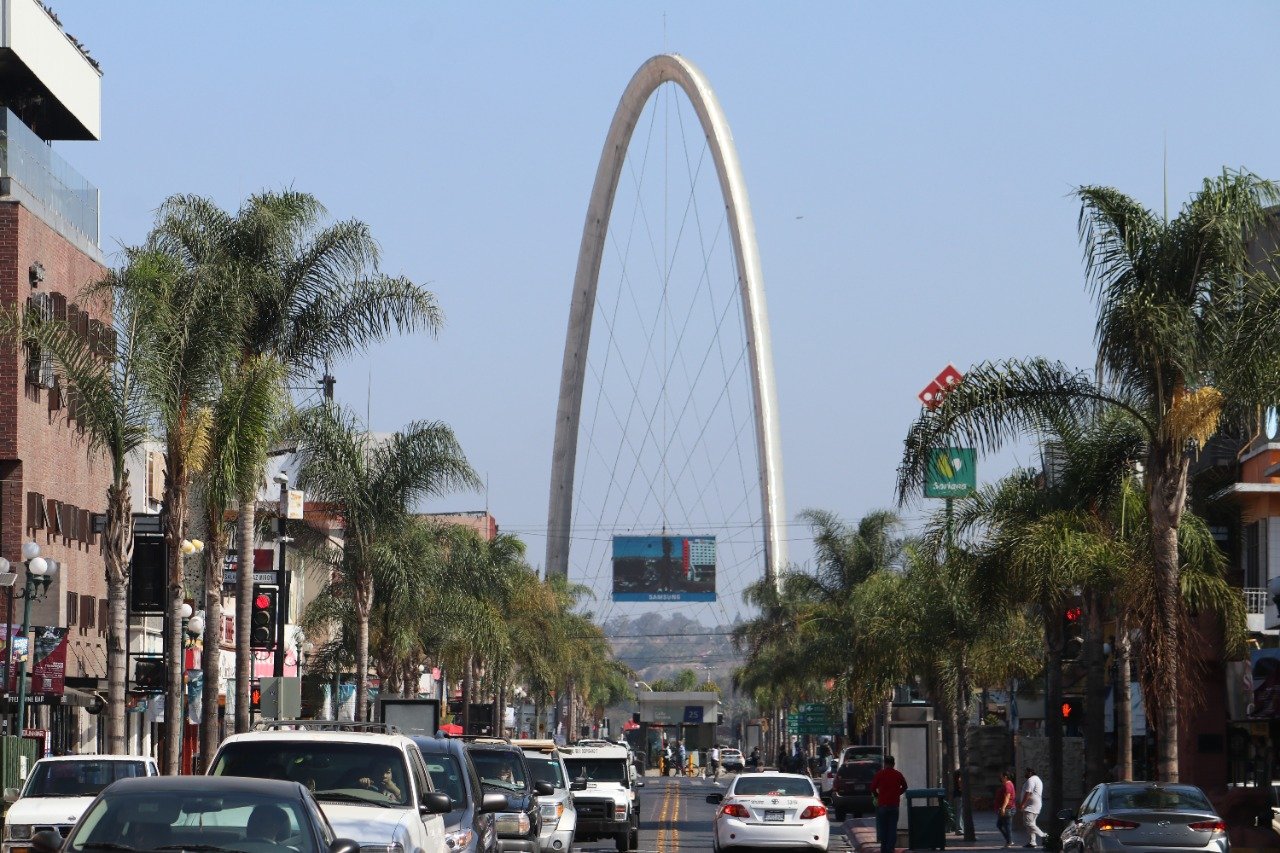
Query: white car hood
[[365, 824], [47, 810]]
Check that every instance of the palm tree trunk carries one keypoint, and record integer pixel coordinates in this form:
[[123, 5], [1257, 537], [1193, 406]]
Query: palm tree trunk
[[1167, 470], [1123, 706], [962, 743], [246, 531], [1095, 691], [467, 676], [117, 552], [175, 506], [364, 599], [210, 657], [1053, 706]]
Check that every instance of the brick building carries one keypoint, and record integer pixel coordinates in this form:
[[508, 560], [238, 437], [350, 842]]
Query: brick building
[[50, 486]]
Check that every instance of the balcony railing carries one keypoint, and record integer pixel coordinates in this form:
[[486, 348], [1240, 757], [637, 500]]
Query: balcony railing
[[1255, 600], [45, 179]]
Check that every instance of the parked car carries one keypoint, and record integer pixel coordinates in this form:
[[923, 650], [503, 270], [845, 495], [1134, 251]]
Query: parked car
[[58, 790], [770, 811], [199, 813], [851, 788], [372, 784], [559, 817], [826, 782], [503, 770], [1151, 816], [470, 826], [731, 760], [859, 752]]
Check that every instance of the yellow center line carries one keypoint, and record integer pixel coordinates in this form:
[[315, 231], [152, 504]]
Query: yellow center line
[[675, 831], [661, 817]]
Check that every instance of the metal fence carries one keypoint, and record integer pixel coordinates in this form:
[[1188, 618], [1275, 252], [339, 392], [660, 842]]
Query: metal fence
[[12, 752], [1255, 600]]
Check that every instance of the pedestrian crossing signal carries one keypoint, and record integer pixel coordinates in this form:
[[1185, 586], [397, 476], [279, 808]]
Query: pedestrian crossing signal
[[255, 698]]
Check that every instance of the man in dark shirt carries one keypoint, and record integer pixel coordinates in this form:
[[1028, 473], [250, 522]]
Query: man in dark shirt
[[887, 786]]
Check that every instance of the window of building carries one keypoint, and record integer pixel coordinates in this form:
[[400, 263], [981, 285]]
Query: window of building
[[73, 602]]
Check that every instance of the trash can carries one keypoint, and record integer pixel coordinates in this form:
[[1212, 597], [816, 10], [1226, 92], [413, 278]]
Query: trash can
[[926, 819]]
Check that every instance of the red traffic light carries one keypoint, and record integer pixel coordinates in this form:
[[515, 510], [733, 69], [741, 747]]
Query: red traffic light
[[262, 602], [1073, 614], [1066, 710]]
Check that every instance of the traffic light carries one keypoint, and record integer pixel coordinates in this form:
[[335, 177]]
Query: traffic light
[[255, 697], [1072, 633], [262, 622]]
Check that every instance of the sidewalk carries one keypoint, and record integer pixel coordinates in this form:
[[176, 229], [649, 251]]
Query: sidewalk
[[862, 836]]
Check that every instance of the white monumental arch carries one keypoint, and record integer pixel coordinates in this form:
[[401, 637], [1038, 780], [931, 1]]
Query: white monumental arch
[[668, 68]]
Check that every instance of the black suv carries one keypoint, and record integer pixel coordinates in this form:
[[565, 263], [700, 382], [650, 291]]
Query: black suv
[[470, 827], [502, 770]]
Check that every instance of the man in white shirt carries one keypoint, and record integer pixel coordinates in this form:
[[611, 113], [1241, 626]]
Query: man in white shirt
[[714, 757], [1030, 804]]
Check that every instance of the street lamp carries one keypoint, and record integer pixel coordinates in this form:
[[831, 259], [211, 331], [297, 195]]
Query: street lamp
[[637, 684], [39, 576]]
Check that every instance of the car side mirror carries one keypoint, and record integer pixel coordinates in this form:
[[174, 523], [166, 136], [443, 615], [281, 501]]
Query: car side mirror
[[578, 785], [344, 845], [494, 803], [1066, 814], [435, 802], [11, 795], [715, 799], [543, 789]]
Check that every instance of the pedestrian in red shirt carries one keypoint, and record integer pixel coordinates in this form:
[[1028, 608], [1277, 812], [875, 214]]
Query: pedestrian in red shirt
[[887, 786]]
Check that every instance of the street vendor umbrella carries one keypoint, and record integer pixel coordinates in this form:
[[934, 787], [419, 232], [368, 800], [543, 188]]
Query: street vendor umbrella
[[451, 729]]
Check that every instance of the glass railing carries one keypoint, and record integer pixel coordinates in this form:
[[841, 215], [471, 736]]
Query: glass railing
[[28, 160]]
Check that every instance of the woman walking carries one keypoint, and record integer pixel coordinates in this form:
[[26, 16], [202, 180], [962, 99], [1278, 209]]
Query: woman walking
[[1005, 808]]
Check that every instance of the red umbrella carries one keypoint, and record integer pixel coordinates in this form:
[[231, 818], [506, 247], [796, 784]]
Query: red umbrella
[[451, 729]]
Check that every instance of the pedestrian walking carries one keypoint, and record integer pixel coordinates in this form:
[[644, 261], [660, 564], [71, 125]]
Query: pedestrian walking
[[683, 755], [714, 757], [798, 763], [1006, 807], [957, 801], [824, 755], [782, 758], [1032, 799], [887, 788], [666, 759]]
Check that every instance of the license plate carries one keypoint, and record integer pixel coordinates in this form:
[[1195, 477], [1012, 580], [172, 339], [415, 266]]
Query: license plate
[[858, 786], [773, 816]]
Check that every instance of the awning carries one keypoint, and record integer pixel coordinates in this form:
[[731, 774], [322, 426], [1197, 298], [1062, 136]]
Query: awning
[[82, 698]]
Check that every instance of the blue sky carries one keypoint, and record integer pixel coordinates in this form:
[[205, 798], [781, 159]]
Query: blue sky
[[910, 170]]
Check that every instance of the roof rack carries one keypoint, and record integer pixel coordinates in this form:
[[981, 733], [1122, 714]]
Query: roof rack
[[328, 726], [482, 739]]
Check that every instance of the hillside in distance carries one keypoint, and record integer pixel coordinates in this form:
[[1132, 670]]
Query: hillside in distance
[[659, 646]]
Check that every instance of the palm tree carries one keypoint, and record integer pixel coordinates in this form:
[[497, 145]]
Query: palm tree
[[313, 293], [192, 320], [110, 407], [376, 481], [244, 417], [1186, 333]]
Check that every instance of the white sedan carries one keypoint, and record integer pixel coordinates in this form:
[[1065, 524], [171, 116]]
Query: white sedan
[[770, 811]]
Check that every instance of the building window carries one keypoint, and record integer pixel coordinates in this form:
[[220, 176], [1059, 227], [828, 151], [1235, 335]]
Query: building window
[[88, 610], [73, 602], [1253, 544], [104, 617]]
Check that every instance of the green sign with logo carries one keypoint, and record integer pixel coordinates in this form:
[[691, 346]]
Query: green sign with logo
[[953, 473]]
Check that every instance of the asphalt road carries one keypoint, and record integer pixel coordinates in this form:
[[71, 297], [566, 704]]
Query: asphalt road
[[675, 817]]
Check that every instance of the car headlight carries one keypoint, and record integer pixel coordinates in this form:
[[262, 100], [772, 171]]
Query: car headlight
[[17, 830], [551, 812], [619, 811], [458, 840], [512, 823], [395, 847]]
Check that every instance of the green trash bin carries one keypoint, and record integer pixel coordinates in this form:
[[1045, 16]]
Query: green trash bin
[[926, 819]]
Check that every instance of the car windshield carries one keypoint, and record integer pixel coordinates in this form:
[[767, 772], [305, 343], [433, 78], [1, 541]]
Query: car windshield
[[242, 822], [545, 769], [597, 769], [499, 768], [78, 778], [333, 771], [1143, 797], [446, 777], [772, 786]]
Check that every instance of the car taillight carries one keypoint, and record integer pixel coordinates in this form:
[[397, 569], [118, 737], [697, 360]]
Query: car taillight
[[1208, 826], [1109, 824], [812, 812], [734, 810]]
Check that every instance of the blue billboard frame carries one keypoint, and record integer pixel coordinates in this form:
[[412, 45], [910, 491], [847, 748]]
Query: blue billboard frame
[[664, 568]]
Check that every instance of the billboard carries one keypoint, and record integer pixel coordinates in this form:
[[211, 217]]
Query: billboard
[[664, 568]]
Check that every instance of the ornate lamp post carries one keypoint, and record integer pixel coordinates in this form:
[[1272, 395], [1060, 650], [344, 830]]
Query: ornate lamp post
[[39, 576]]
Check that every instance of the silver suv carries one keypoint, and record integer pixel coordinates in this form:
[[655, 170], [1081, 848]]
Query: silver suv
[[369, 780], [559, 817]]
